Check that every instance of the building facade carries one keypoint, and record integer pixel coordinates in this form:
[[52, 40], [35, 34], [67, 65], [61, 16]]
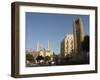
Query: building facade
[[67, 45], [78, 33]]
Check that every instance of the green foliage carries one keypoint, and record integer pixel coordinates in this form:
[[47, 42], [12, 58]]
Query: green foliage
[[39, 58], [85, 44], [47, 58], [30, 58]]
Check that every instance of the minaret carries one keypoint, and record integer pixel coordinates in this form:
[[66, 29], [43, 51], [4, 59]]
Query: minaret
[[38, 45], [49, 46]]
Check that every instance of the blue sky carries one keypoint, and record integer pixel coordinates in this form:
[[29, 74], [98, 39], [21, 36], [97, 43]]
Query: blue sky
[[52, 27]]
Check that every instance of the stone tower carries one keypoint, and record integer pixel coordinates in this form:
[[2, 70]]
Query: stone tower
[[78, 32]]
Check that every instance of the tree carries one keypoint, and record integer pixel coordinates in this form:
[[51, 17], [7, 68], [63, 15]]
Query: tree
[[30, 58], [85, 44], [47, 58], [39, 58]]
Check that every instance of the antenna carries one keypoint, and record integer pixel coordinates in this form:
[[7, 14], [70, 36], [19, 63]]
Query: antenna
[[49, 46], [38, 45]]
